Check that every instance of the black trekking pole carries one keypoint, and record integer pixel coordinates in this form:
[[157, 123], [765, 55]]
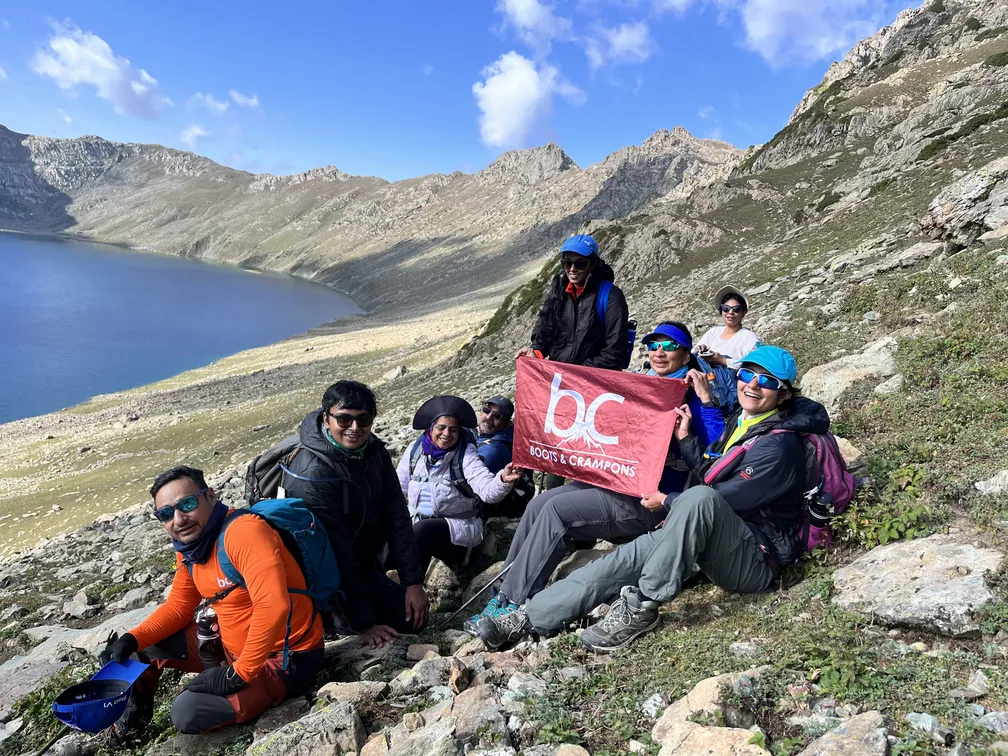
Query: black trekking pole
[[445, 622]]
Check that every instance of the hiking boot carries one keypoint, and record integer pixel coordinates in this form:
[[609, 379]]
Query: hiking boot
[[504, 628], [494, 608], [628, 618]]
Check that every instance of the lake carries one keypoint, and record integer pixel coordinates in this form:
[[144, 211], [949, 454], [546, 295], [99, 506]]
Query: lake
[[79, 319]]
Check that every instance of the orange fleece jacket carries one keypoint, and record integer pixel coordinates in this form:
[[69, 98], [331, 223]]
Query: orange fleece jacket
[[253, 622]]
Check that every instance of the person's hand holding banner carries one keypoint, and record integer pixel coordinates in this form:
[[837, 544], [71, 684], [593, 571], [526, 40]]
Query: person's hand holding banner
[[601, 427]]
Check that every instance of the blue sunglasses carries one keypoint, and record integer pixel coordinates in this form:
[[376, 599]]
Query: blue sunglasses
[[186, 505], [745, 375]]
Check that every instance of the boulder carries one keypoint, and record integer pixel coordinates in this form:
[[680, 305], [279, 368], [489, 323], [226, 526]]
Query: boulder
[[827, 383], [691, 739], [852, 456], [478, 717], [328, 731], [891, 386], [425, 674], [863, 735], [994, 486], [433, 740], [419, 651], [704, 699], [478, 583], [278, 716], [932, 583], [971, 205], [220, 741], [354, 693]]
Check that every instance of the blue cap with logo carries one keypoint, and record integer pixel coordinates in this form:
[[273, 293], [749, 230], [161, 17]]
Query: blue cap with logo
[[580, 244], [776, 361]]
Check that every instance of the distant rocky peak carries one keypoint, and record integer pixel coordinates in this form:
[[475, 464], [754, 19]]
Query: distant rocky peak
[[933, 29], [528, 167]]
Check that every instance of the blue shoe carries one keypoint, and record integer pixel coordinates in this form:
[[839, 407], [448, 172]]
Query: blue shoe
[[494, 608]]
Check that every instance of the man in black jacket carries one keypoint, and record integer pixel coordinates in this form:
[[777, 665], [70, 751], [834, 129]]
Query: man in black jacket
[[346, 477], [569, 328], [739, 529]]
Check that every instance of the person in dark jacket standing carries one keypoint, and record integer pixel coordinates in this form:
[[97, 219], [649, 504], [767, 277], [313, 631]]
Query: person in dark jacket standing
[[739, 529], [569, 328], [346, 477]]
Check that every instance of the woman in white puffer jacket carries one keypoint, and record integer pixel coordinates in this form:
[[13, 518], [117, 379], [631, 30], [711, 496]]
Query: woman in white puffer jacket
[[445, 482]]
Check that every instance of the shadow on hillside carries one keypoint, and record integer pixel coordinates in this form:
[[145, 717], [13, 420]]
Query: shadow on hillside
[[28, 201]]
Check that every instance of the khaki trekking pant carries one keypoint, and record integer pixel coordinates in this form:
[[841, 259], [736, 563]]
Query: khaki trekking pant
[[700, 529]]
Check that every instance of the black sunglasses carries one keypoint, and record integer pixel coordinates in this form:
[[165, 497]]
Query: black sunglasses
[[491, 412], [186, 505], [344, 420], [580, 263], [732, 308]]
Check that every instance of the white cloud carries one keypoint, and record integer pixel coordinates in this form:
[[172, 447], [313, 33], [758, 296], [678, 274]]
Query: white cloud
[[74, 57], [244, 101], [427, 69], [630, 42], [64, 116], [805, 31], [677, 6], [3, 74], [192, 134], [210, 102], [516, 96], [706, 112], [536, 23]]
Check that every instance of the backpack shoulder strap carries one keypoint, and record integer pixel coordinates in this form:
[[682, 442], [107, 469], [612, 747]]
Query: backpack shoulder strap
[[224, 561], [602, 299], [415, 453]]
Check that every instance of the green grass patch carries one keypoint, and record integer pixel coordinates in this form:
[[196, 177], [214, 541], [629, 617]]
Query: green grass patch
[[969, 126], [880, 186], [972, 24], [986, 34], [997, 60]]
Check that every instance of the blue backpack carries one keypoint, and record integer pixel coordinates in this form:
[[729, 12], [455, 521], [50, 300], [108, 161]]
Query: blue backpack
[[601, 302], [305, 537], [723, 384]]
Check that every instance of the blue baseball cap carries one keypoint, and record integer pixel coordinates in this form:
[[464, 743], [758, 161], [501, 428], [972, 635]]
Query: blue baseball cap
[[776, 361], [580, 244], [680, 336]]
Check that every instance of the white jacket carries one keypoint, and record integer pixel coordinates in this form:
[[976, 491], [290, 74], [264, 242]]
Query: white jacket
[[448, 502]]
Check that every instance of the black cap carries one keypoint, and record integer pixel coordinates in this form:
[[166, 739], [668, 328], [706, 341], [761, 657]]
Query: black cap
[[503, 404]]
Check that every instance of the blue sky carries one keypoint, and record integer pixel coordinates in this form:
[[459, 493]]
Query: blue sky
[[400, 89]]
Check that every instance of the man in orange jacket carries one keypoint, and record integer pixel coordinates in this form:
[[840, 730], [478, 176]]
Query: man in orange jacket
[[248, 675]]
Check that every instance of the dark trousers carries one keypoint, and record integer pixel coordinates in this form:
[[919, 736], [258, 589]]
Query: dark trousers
[[388, 602], [433, 540], [199, 712]]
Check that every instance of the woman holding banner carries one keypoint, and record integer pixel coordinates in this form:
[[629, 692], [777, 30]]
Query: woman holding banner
[[740, 528], [581, 512]]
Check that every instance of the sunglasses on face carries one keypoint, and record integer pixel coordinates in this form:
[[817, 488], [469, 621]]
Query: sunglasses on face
[[745, 375], [186, 505], [732, 308], [668, 345], [489, 411], [577, 263], [344, 420]]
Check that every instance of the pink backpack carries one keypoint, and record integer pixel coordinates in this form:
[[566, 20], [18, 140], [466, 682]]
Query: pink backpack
[[829, 487]]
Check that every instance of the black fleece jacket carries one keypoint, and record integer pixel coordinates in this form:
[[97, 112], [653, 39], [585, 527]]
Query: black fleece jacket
[[361, 505], [569, 329], [765, 486]]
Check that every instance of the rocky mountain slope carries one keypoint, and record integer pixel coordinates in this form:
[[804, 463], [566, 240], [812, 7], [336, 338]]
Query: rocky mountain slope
[[385, 244], [872, 236]]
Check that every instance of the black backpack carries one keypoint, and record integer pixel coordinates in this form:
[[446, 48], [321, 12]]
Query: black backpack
[[263, 474]]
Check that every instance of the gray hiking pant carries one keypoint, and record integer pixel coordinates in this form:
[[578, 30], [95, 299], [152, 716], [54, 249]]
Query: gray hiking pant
[[574, 511], [700, 529]]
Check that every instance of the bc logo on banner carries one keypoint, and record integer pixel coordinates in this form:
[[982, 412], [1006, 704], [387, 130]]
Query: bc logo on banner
[[601, 427]]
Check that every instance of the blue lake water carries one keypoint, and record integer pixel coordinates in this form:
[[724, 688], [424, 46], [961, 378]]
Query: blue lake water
[[78, 319]]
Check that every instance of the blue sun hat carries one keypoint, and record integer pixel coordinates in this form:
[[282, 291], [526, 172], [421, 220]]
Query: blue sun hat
[[580, 244], [94, 705], [776, 361]]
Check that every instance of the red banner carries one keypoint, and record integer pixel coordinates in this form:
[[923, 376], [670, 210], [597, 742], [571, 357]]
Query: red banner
[[601, 427]]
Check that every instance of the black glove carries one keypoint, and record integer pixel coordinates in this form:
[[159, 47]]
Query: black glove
[[217, 681], [120, 649]]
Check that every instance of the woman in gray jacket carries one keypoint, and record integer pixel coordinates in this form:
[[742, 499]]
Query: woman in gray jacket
[[446, 483]]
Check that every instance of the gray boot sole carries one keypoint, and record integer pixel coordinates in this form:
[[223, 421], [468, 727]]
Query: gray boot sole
[[607, 649]]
